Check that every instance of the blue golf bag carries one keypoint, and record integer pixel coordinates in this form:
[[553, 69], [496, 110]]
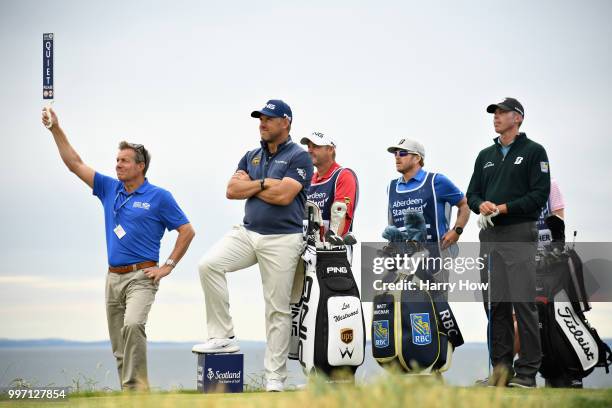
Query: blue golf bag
[[413, 330]]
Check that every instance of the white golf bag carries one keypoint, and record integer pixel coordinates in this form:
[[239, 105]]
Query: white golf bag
[[328, 328]]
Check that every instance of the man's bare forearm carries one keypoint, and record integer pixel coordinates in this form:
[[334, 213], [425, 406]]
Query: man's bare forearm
[[463, 213], [69, 156], [274, 193], [185, 236], [560, 213], [242, 189]]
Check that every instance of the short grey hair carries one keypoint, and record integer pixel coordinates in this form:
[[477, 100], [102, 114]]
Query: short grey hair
[[521, 116], [141, 155]]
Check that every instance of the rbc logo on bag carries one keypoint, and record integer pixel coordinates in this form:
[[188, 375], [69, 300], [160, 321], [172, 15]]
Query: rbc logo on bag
[[381, 333], [421, 329]]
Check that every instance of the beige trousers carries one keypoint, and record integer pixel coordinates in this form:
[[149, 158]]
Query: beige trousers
[[277, 256], [129, 297]]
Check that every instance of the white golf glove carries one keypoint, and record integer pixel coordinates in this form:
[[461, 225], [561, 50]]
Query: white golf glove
[[484, 221]]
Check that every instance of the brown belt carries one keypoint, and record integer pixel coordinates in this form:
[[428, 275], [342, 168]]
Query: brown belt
[[131, 268]]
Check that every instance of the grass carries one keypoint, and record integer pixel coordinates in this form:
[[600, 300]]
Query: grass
[[390, 392]]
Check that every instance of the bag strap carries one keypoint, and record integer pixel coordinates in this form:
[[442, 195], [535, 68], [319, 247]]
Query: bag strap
[[606, 357], [448, 323], [605, 354]]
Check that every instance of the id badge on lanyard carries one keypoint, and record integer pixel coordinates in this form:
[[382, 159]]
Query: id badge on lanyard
[[119, 231]]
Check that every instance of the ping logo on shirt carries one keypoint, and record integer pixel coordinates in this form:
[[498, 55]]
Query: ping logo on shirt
[[488, 164], [518, 160], [144, 206]]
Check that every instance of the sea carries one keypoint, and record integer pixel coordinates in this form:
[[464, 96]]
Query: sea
[[172, 366]]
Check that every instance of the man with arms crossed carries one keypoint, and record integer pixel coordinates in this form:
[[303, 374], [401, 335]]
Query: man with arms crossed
[[273, 179], [509, 187], [136, 213]]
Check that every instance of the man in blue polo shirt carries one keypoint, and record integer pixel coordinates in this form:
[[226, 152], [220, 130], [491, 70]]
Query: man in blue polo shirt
[[431, 194], [136, 214], [274, 179]]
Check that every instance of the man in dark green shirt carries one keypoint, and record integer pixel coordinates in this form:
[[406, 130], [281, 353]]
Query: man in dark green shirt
[[509, 186]]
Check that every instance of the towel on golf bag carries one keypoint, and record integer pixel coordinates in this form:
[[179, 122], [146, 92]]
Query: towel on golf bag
[[331, 324], [570, 346]]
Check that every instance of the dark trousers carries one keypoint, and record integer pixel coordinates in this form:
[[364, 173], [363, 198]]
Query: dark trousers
[[510, 252]]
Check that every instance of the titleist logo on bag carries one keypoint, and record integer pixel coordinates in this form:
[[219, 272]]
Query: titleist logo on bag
[[573, 326], [576, 331]]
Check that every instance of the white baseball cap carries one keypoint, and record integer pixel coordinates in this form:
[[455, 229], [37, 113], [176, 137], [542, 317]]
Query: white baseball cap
[[318, 139], [412, 146]]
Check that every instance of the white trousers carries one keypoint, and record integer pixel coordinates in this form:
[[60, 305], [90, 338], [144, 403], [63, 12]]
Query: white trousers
[[277, 256]]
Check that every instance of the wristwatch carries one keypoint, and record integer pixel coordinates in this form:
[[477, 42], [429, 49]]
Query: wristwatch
[[170, 262], [458, 230]]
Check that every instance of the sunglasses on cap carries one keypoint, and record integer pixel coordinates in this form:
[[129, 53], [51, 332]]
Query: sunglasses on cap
[[403, 153], [141, 149]]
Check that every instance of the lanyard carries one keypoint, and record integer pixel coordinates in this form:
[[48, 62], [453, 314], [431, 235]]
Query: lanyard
[[116, 210]]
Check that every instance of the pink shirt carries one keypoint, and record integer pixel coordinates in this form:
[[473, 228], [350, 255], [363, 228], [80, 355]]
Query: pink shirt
[[555, 198]]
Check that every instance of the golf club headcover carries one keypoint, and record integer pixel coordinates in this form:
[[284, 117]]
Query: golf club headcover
[[393, 234], [338, 212], [316, 212], [556, 225], [350, 239], [416, 229], [315, 221]]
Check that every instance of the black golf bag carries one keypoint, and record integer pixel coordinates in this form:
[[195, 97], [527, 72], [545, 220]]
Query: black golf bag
[[328, 330], [571, 348]]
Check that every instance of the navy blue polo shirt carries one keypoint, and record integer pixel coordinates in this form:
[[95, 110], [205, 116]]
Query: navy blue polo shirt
[[290, 160], [143, 215]]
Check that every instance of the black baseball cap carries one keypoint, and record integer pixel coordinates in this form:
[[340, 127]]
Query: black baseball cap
[[508, 104]]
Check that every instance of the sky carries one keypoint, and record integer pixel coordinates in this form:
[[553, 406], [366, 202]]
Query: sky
[[182, 78]]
